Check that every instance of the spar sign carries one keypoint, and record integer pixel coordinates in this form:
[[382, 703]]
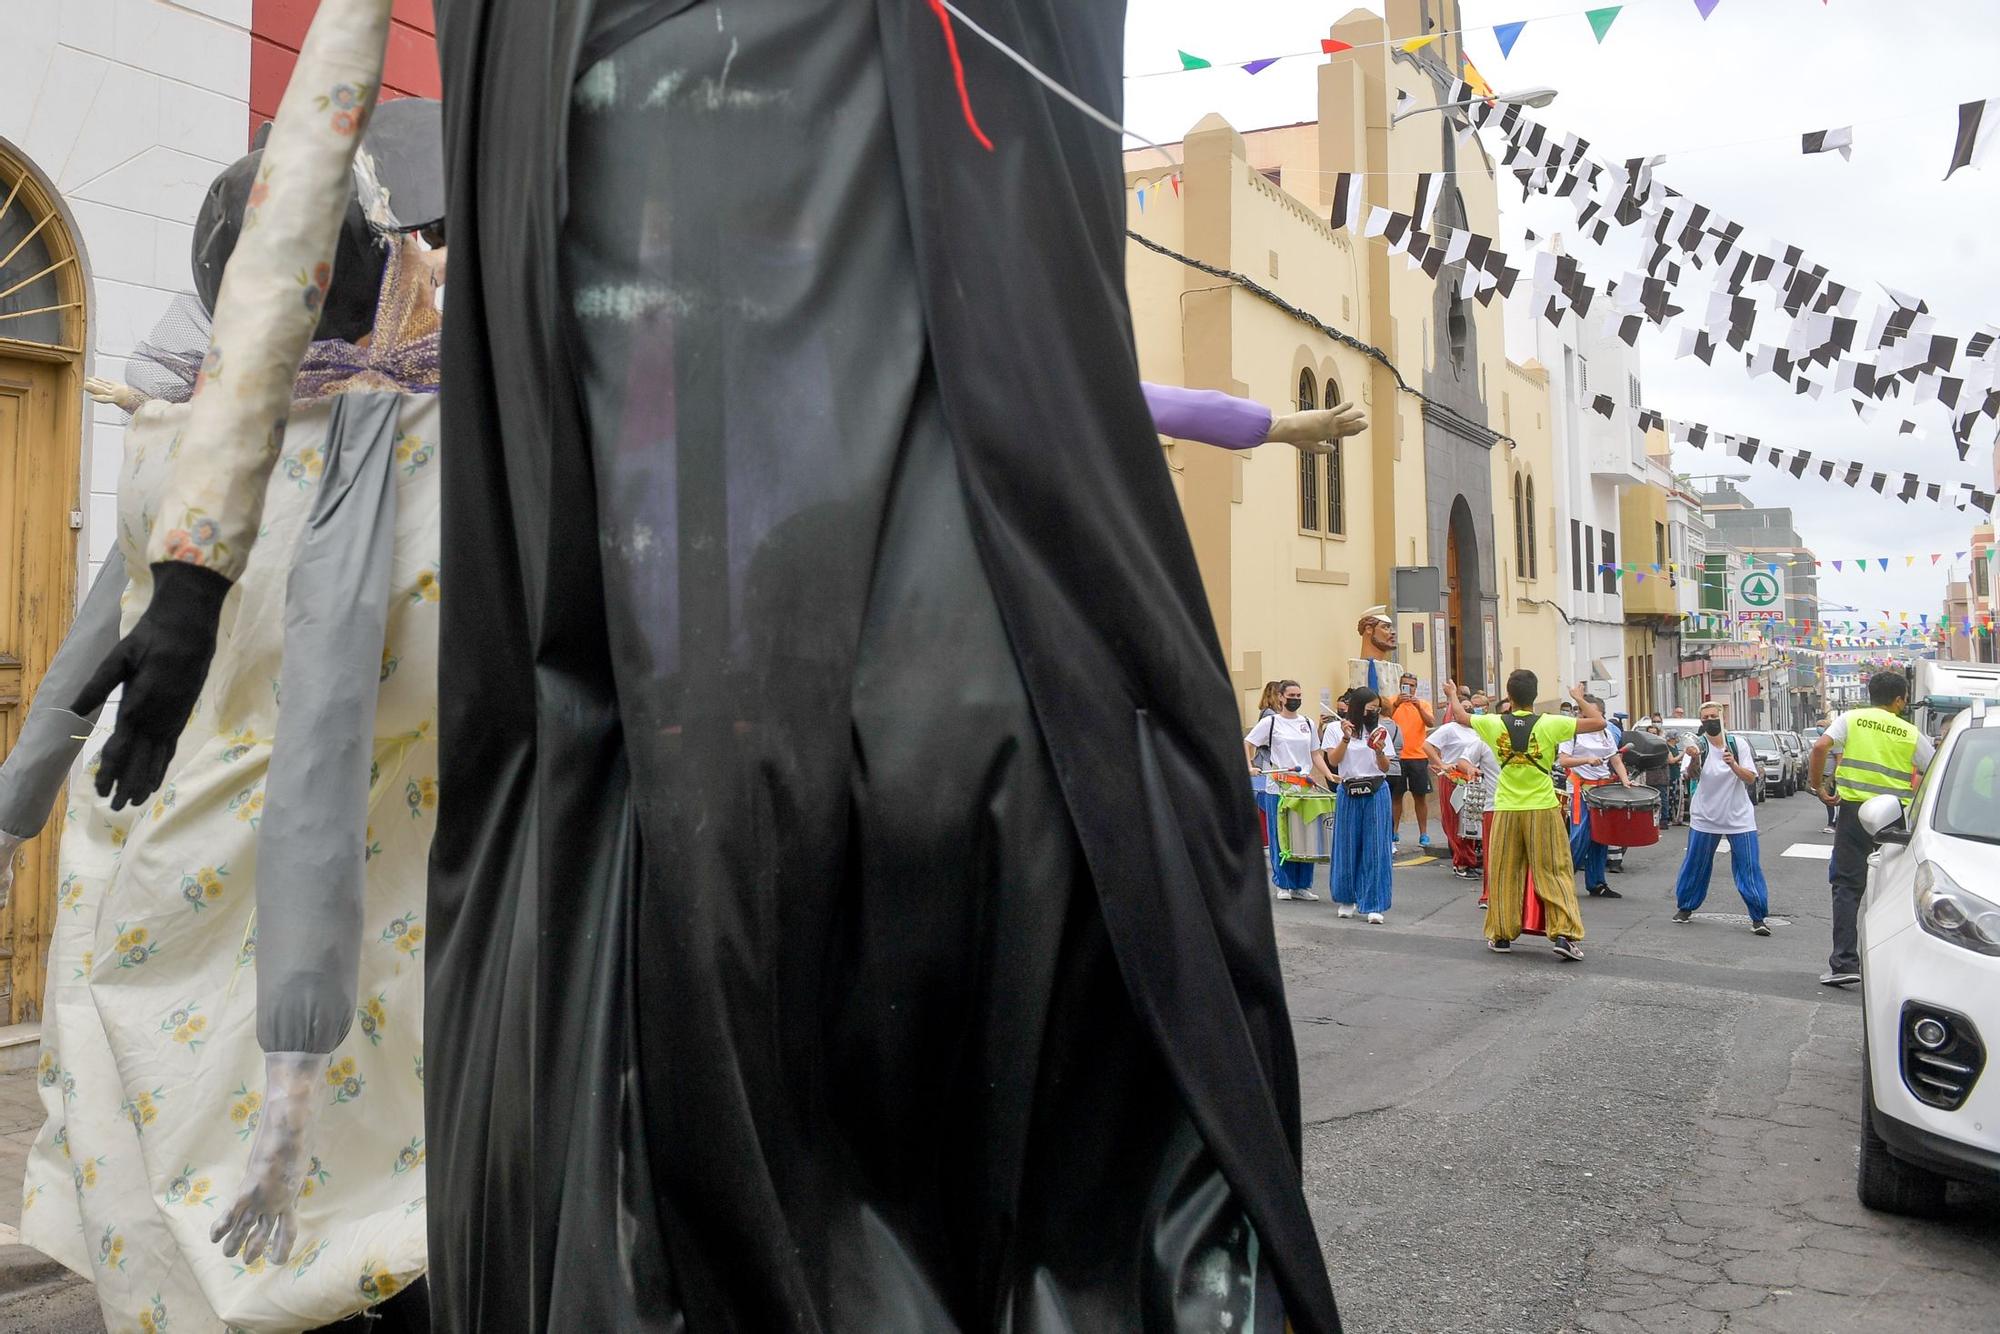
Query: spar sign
[[1760, 596]]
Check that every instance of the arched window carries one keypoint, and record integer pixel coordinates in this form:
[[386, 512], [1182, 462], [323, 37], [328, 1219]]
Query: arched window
[[1336, 473], [1534, 555], [39, 290], [1309, 507], [1520, 532], [1458, 331]]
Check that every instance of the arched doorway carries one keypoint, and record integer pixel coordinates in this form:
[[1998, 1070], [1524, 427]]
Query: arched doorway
[[1462, 596], [42, 293]]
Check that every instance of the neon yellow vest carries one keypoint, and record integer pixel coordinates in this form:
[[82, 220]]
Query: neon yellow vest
[[1880, 752]]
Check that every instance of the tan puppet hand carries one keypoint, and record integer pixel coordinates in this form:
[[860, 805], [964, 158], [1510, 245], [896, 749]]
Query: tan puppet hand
[[1315, 431], [118, 395]]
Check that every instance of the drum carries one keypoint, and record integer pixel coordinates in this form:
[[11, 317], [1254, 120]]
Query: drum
[[1623, 817]]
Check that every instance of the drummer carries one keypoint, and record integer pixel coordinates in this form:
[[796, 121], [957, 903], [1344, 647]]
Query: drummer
[[1458, 757], [1591, 759]]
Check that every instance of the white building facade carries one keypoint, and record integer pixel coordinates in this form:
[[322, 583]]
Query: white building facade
[[115, 115], [1595, 455]]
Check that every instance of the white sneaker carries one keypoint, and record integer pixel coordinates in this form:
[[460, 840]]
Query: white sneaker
[[1344, 910], [1308, 895], [1285, 894], [1374, 919]]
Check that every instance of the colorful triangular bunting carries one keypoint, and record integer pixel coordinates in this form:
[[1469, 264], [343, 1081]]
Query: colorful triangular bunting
[[1507, 34], [1600, 20]]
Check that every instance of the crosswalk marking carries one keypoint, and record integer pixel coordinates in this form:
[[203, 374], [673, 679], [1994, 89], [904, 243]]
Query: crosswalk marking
[[1812, 852]]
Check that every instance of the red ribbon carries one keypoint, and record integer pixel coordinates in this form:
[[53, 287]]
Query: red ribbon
[[958, 73]]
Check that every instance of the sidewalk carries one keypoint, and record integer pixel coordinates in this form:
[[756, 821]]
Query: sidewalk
[[36, 1293]]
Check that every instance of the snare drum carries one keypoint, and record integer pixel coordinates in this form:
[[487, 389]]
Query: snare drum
[[1623, 817]]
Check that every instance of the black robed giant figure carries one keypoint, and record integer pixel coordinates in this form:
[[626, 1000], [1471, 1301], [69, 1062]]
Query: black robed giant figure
[[846, 910]]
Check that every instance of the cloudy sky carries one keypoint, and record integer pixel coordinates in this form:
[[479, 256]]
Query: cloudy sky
[[1726, 101]]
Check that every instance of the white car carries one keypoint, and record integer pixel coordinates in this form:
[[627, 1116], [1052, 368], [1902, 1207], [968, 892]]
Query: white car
[[1930, 978]]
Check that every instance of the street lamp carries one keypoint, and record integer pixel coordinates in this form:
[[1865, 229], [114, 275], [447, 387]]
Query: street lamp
[[1527, 97]]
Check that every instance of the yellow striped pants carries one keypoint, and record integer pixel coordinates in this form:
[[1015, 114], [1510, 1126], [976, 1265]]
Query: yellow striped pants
[[1525, 842]]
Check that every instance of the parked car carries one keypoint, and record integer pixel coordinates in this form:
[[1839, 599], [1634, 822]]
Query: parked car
[[1770, 763], [1795, 762], [1930, 978]]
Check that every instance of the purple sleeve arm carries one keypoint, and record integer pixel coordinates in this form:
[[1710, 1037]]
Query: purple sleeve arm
[[1207, 416]]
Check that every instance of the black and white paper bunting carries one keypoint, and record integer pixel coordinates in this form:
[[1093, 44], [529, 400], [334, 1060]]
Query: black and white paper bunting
[[1839, 141], [1975, 125]]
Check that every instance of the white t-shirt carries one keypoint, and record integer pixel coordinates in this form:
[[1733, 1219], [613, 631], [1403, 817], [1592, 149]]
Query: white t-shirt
[[1291, 743], [1926, 748], [1721, 799], [1591, 743], [1351, 765], [1458, 743]]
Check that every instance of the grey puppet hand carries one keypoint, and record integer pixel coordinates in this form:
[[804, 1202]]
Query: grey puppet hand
[[262, 1220], [1314, 431]]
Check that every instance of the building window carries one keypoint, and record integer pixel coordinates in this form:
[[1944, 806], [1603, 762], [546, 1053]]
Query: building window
[[1576, 554], [1520, 531], [1589, 561], [1715, 584], [39, 284], [1660, 543], [1534, 556], [1336, 479], [1582, 377], [1308, 463], [1982, 579], [1459, 335], [1610, 560], [1632, 390]]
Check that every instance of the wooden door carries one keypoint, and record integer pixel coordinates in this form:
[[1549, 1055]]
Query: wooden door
[[38, 480]]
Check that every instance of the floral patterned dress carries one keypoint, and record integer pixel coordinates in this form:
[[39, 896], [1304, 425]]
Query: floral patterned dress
[[151, 1071]]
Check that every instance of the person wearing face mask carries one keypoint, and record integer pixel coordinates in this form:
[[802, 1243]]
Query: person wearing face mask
[[1286, 738], [1727, 769], [1355, 751]]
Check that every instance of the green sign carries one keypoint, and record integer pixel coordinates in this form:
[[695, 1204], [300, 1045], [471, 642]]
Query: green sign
[[1760, 589]]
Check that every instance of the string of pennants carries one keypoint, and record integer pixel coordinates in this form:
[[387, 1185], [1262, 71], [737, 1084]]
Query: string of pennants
[[1968, 145], [1898, 353], [1960, 496], [1846, 565], [1823, 340], [1892, 627], [1599, 17], [1908, 351], [1490, 271]]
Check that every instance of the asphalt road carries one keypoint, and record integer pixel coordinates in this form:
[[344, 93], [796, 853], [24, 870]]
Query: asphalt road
[[1658, 1140]]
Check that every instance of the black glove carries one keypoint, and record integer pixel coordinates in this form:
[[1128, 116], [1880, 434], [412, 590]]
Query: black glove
[[162, 664]]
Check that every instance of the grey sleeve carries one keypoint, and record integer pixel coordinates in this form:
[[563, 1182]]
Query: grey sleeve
[[311, 844], [51, 737]]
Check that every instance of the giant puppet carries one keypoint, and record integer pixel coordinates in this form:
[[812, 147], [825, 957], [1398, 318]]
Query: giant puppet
[[232, 1064], [844, 912]]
